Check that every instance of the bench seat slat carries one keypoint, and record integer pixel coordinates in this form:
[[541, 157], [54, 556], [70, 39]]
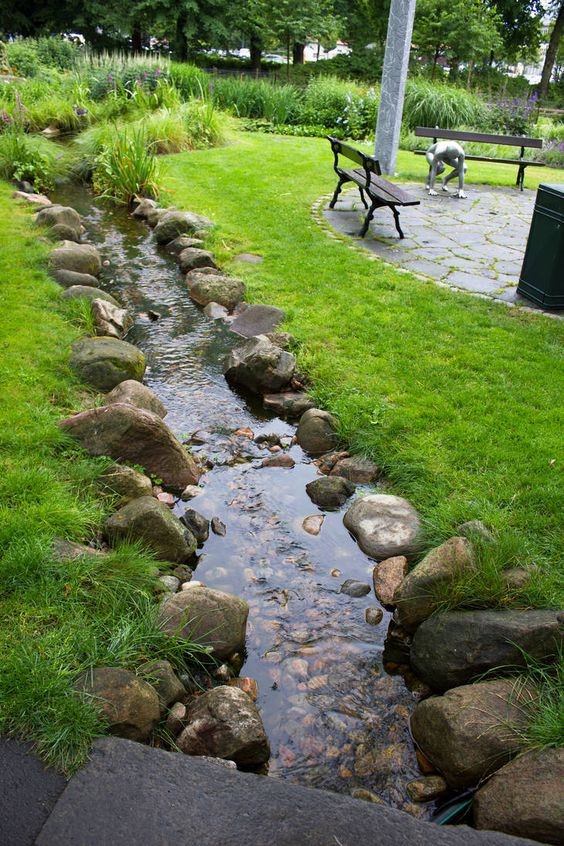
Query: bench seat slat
[[483, 137], [526, 162], [381, 188]]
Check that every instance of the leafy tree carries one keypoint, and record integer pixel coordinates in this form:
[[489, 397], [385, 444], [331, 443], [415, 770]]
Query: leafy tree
[[521, 26], [461, 30], [557, 9]]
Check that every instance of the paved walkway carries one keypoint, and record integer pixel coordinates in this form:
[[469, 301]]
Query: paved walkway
[[477, 244]]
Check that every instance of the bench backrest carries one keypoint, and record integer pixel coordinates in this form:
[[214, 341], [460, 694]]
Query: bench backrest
[[369, 163], [483, 137]]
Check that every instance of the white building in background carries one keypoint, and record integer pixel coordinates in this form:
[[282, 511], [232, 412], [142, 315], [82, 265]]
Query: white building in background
[[314, 51]]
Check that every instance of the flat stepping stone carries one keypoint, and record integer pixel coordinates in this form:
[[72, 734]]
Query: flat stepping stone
[[257, 320], [383, 525]]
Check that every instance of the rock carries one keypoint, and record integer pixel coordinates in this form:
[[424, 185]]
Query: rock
[[247, 685], [193, 275], [190, 491], [475, 529], [197, 524], [280, 460], [105, 362], [65, 550], [62, 232], [419, 593], [128, 704], [387, 577], [312, 524], [51, 131], [223, 674], [384, 525], [132, 434], [224, 723], [183, 572], [215, 311], [150, 521], [317, 431], [373, 616], [257, 320], [72, 279], [174, 223], [217, 527], [126, 482], [357, 469], [134, 393], [209, 617], [182, 243], [330, 493], [152, 216], [86, 292], [176, 719], [516, 578], [525, 798], [473, 730], [170, 584], [143, 208], [205, 288], [259, 366], [33, 199], [397, 645], [284, 340], [109, 320], [456, 647], [366, 796], [192, 257], [291, 404], [82, 258], [354, 588], [54, 215], [426, 789], [161, 676]]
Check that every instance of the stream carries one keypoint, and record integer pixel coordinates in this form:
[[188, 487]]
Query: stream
[[335, 719]]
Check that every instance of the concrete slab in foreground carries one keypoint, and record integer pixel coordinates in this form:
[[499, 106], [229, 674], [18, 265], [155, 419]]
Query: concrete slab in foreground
[[130, 794]]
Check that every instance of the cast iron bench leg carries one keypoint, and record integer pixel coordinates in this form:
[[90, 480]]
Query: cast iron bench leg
[[362, 197], [396, 219], [521, 176], [340, 184], [368, 218]]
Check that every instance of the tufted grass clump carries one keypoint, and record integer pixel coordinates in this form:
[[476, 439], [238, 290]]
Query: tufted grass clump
[[126, 167], [438, 104]]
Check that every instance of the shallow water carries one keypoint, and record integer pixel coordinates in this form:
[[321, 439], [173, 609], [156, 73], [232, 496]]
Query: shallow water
[[334, 717]]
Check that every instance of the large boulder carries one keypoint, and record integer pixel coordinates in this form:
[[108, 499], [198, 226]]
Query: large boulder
[[71, 278], [127, 433], [193, 257], [257, 320], [260, 366], [129, 705], [210, 617], [205, 288], [126, 482], [87, 292], [291, 404], [419, 593], [174, 223], [182, 243], [317, 431], [453, 648], [59, 215], [82, 258], [109, 320], [63, 232], [134, 393], [152, 522], [225, 723], [384, 525], [105, 362], [330, 493], [525, 798], [473, 730]]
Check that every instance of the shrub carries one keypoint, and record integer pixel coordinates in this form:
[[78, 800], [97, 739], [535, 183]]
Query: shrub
[[432, 104], [513, 117], [26, 157], [27, 55], [326, 100]]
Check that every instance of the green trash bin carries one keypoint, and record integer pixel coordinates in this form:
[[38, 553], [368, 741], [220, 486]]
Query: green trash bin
[[542, 274]]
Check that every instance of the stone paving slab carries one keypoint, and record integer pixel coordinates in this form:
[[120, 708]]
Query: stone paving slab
[[130, 794], [476, 245]]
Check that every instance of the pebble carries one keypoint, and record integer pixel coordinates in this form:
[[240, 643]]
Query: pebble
[[190, 585], [174, 721], [247, 685], [223, 674], [217, 527], [280, 460], [427, 788], [354, 588], [167, 498], [245, 432], [312, 524], [335, 572], [424, 764], [171, 583], [373, 616], [190, 492], [366, 796]]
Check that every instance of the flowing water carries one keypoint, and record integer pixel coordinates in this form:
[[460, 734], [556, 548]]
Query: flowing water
[[334, 717]]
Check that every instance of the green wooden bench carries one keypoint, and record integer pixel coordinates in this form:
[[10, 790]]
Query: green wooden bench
[[369, 179], [484, 138]]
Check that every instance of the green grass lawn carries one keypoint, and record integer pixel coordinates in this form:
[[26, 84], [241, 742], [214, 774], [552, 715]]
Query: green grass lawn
[[459, 399]]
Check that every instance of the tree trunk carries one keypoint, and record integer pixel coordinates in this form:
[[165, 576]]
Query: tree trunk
[[551, 53], [181, 40], [435, 60], [298, 53], [255, 49], [136, 38], [469, 77]]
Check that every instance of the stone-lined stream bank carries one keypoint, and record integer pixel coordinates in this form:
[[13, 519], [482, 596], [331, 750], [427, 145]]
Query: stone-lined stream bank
[[335, 687]]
